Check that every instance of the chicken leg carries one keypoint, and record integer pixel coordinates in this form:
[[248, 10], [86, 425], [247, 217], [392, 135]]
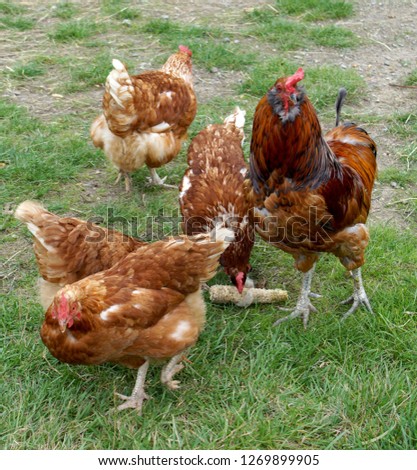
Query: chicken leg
[[138, 393], [170, 369], [128, 180], [304, 306], [359, 296], [155, 179]]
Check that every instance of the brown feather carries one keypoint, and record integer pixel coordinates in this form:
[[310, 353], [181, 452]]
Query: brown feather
[[212, 190], [135, 309], [310, 193], [68, 249], [145, 117]]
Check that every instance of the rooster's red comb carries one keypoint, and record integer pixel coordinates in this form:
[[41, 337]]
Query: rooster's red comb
[[294, 79], [185, 50]]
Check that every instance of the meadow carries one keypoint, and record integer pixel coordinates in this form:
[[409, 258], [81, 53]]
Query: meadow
[[247, 385]]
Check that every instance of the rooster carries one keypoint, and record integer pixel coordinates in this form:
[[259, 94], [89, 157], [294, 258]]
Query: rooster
[[310, 193], [212, 191], [147, 307], [68, 249], [145, 117]]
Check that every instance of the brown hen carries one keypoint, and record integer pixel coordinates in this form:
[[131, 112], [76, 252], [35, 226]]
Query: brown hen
[[212, 191], [145, 117], [68, 249], [310, 193], [147, 307]]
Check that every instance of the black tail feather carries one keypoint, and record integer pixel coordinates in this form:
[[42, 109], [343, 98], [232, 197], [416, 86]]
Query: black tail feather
[[339, 103]]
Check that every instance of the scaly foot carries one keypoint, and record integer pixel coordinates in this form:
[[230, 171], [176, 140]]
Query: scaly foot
[[359, 296], [169, 370], [134, 401], [138, 394], [128, 183], [302, 309], [119, 176], [173, 384], [156, 180], [304, 306], [128, 180]]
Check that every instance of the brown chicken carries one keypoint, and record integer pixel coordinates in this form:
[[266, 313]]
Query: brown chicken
[[310, 193], [212, 191], [147, 307], [145, 117], [68, 249]]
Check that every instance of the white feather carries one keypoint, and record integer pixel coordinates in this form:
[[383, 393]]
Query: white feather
[[182, 328], [161, 127], [118, 65], [35, 231], [186, 185], [106, 314]]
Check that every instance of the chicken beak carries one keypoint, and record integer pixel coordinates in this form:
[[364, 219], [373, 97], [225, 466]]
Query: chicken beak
[[62, 325]]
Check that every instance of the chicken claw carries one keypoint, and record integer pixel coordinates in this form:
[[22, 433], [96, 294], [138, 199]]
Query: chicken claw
[[132, 401], [359, 296], [155, 179], [302, 309], [304, 306], [169, 370], [138, 394]]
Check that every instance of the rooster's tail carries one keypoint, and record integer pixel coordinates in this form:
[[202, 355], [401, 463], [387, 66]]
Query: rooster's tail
[[339, 103]]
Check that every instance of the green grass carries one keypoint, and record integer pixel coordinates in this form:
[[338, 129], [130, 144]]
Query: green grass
[[322, 83], [412, 78], [65, 10], [120, 9], [20, 23], [83, 74], [75, 30], [38, 65], [401, 177], [29, 70], [206, 44], [35, 67], [10, 8], [316, 10], [333, 36], [12, 17], [335, 385], [37, 159], [287, 34], [404, 126]]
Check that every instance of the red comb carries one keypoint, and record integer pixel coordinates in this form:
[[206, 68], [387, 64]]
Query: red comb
[[185, 50], [239, 282], [294, 79], [64, 303]]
